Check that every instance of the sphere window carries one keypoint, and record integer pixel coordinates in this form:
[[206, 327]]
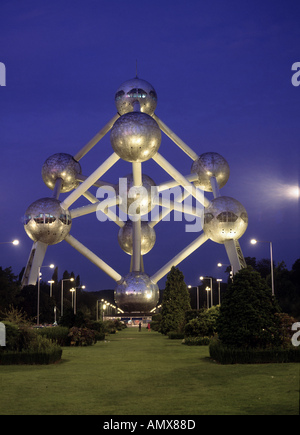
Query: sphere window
[[137, 93], [244, 216], [227, 216], [208, 217], [119, 95], [153, 95], [39, 219]]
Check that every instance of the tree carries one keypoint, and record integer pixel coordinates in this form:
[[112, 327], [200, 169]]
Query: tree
[[248, 313], [176, 301], [9, 288]]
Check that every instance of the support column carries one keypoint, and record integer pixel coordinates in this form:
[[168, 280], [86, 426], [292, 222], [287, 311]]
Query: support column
[[96, 138], [93, 258]]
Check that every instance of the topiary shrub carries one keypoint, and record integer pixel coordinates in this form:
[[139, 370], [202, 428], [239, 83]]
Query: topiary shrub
[[248, 313]]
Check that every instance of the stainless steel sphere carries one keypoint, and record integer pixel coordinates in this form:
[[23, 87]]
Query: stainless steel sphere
[[210, 165], [135, 137], [224, 219], [136, 90], [61, 166], [136, 293], [147, 240], [46, 221], [134, 200]]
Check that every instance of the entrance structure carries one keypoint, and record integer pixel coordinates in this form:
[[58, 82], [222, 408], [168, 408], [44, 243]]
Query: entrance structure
[[135, 137]]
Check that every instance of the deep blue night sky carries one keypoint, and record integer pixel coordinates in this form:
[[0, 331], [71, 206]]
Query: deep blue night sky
[[222, 73]]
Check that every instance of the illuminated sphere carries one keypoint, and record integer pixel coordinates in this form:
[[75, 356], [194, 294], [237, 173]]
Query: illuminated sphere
[[134, 199], [224, 219], [46, 221], [135, 137], [210, 165], [136, 293], [136, 90], [125, 238], [61, 166]]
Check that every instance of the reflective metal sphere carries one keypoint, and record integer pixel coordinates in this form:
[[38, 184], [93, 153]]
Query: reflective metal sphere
[[136, 293], [210, 165], [147, 240], [136, 90], [132, 201], [46, 221], [61, 166], [135, 137], [225, 219]]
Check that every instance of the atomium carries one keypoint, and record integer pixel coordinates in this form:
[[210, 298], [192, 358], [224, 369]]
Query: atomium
[[135, 138], [47, 222], [225, 219], [210, 165], [136, 293], [136, 90], [136, 199], [125, 237], [61, 166]]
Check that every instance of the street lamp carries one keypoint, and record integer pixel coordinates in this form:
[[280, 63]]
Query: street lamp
[[208, 277], [254, 242], [208, 290], [74, 296], [62, 294], [231, 269], [219, 289], [51, 282], [39, 291], [197, 287], [73, 290], [14, 242]]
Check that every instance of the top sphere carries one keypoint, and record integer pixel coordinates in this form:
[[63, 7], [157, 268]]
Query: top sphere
[[62, 166], [135, 90], [210, 165]]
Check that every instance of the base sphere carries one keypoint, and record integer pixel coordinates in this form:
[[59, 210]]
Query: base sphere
[[137, 293]]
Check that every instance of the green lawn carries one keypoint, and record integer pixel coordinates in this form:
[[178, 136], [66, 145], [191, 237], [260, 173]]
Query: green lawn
[[147, 374]]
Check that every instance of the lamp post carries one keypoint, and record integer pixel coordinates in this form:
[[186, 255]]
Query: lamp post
[[62, 294], [231, 270], [39, 291], [197, 287], [51, 283], [219, 289], [211, 287], [74, 296], [254, 242], [55, 322], [207, 290]]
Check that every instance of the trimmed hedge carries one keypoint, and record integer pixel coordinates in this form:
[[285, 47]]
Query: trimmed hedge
[[196, 341], [230, 355], [31, 357], [173, 335]]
